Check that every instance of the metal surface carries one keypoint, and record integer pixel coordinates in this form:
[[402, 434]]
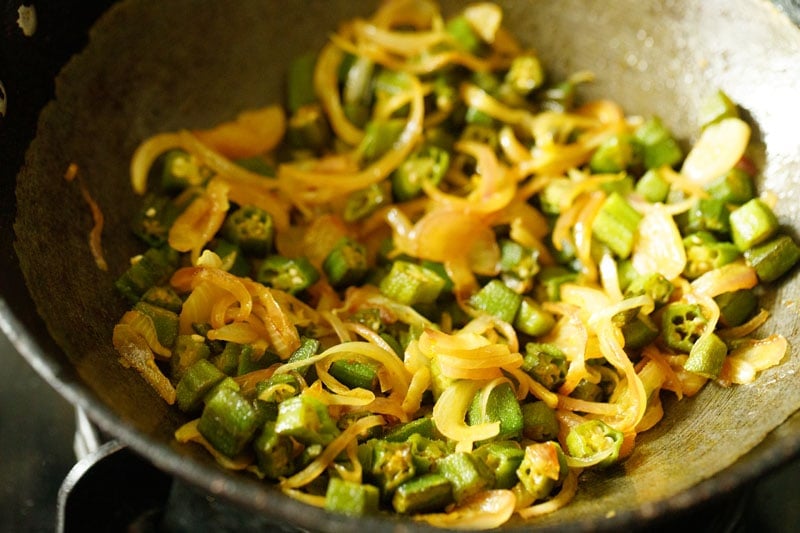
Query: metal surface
[[151, 67]]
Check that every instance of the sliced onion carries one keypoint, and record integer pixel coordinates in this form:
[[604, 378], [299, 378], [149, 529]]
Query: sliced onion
[[718, 149], [658, 245], [745, 362], [486, 510], [252, 132], [727, 278], [450, 410], [136, 353]]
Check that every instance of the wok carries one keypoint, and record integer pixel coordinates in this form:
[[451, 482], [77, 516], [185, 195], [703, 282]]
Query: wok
[[160, 66]]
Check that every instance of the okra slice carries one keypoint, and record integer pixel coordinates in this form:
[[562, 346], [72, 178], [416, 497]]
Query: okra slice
[[736, 307], [501, 406], [539, 421], [592, 437], [424, 494], [164, 321], [346, 264], [707, 356], [497, 299], [752, 223], [251, 228], [307, 420], [545, 363], [348, 497], [188, 349], [355, 374], [274, 452], [503, 459], [196, 382], [228, 422], [615, 225], [292, 275], [467, 473], [681, 325], [152, 268], [409, 283], [163, 296], [532, 319], [774, 258]]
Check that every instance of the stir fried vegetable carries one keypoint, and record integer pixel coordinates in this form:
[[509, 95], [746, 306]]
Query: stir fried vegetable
[[438, 283]]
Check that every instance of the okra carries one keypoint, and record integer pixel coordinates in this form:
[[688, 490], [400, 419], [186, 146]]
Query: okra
[[615, 225], [501, 406], [592, 437], [652, 186], [151, 269], [468, 474], [233, 259], [379, 137], [497, 299], [545, 363], [300, 82], [752, 223], [422, 426], [308, 129], [736, 307], [705, 253], [390, 465], [228, 422], [346, 264], [423, 494], [274, 452], [539, 421], [292, 275], [188, 349], [772, 259], [196, 382], [681, 325], [532, 319], [427, 164], [355, 374], [307, 420], [708, 214], [410, 284], [363, 202], [164, 321], [251, 228], [503, 459], [541, 469], [716, 107], [658, 147], [155, 217], [707, 356], [734, 187], [615, 154], [163, 296], [525, 74], [351, 498], [639, 332]]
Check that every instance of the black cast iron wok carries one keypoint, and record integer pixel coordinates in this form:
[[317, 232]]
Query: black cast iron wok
[[158, 66]]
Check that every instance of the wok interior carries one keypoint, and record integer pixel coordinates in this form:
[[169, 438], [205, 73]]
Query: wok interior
[[161, 66]]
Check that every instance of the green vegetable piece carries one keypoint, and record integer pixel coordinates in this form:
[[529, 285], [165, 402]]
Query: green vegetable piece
[[196, 382], [188, 349], [708, 214], [274, 452], [464, 36], [545, 363], [308, 129], [542, 467], [228, 359], [539, 421], [307, 420], [707, 356], [705, 253], [593, 437], [615, 225], [518, 265], [774, 258], [357, 90], [658, 147], [525, 74], [427, 164], [309, 347], [379, 137], [559, 97], [179, 170], [346, 264], [410, 284], [421, 426], [503, 459], [355, 374], [467, 473], [251, 228], [391, 465], [752, 223], [427, 452], [639, 332], [248, 362], [153, 268], [615, 154], [363, 202], [626, 273], [163, 296], [716, 107], [423, 494], [164, 321], [681, 325], [501, 406], [228, 422], [278, 388], [350, 498], [654, 285], [300, 82], [497, 299], [736, 307], [588, 391], [551, 278], [734, 187], [292, 275], [233, 259], [532, 319], [652, 186], [155, 217]]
